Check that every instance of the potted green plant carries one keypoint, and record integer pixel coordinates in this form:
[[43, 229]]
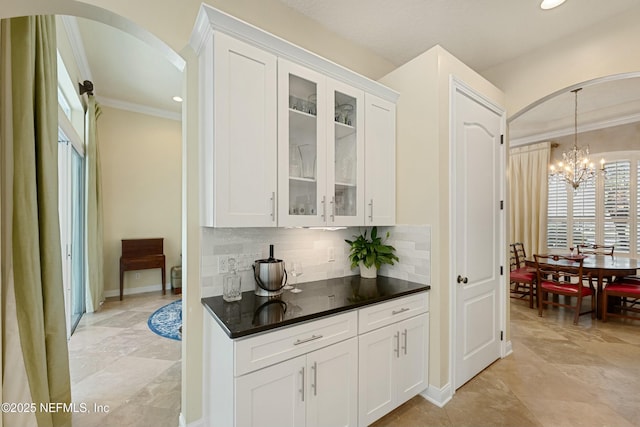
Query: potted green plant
[[370, 253]]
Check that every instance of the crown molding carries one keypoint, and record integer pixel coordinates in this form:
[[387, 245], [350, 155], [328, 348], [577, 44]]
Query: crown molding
[[210, 20], [72, 29], [138, 108], [603, 124]]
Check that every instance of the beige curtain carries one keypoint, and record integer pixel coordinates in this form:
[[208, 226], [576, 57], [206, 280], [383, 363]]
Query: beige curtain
[[35, 361], [528, 183], [95, 274]]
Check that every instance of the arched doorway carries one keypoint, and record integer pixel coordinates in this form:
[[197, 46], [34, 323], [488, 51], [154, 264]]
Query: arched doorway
[[101, 15]]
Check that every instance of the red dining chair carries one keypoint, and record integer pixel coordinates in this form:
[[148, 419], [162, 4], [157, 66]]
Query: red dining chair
[[627, 289], [521, 278], [562, 275]]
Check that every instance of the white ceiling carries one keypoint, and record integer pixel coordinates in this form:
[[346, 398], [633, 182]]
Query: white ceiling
[[481, 33], [128, 73]]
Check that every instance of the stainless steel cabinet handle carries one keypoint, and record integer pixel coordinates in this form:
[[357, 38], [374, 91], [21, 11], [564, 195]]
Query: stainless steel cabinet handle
[[397, 349], [324, 208], [314, 384], [402, 310], [405, 341], [302, 389], [333, 208], [371, 210], [273, 206], [311, 338]]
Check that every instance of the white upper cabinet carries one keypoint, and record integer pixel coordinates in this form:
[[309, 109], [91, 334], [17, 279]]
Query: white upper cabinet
[[302, 146], [288, 138], [380, 161], [320, 149], [345, 153], [239, 141]]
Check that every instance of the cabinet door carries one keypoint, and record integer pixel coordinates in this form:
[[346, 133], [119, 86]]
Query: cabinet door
[[380, 161], [333, 385], [244, 135], [376, 364], [302, 148], [345, 154], [273, 396], [413, 364]]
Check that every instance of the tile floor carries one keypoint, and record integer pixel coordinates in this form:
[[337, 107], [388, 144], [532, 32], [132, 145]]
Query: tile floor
[[117, 362], [558, 375]]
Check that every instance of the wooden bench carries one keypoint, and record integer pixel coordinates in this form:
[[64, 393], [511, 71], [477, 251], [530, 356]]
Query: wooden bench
[[142, 254]]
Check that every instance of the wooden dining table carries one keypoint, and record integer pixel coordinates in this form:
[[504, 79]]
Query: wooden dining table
[[601, 266]]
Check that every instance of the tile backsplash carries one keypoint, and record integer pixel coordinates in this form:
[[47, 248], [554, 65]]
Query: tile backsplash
[[313, 248]]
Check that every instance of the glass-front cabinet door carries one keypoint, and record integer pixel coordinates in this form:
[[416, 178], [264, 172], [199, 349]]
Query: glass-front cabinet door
[[320, 149], [302, 153], [345, 154]]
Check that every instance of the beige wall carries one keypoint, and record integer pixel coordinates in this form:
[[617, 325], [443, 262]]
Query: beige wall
[[423, 174], [617, 138], [600, 50], [141, 185], [173, 21]]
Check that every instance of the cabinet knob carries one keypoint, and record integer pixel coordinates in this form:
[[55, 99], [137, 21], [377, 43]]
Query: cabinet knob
[[462, 279]]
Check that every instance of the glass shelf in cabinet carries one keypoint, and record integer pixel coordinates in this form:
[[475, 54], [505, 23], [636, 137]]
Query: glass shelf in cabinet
[[302, 113], [300, 179], [343, 130]]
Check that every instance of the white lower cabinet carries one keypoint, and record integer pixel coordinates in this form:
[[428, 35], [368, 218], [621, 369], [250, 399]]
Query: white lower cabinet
[[344, 370], [393, 366], [315, 390]]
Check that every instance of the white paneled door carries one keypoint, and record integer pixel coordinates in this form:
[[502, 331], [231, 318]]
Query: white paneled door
[[478, 222]]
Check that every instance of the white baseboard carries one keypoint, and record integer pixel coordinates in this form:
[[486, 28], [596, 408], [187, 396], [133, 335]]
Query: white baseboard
[[438, 396], [183, 423], [508, 348], [132, 291]]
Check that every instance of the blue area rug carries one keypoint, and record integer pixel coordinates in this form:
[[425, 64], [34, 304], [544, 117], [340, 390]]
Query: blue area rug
[[167, 321]]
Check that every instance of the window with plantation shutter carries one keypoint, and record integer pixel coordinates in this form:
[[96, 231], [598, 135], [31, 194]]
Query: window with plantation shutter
[[557, 213], [584, 214], [617, 204], [606, 211]]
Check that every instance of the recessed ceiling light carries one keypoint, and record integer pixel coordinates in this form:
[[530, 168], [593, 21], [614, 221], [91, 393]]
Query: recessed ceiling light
[[177, 98], [550, 4]]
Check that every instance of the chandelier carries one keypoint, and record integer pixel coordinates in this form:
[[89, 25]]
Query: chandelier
[[575, 167]]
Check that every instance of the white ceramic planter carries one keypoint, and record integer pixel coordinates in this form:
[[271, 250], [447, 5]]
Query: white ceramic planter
[[368, 272]]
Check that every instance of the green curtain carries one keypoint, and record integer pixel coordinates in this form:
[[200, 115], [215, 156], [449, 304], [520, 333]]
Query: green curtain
[[37, 267], [95, 274]]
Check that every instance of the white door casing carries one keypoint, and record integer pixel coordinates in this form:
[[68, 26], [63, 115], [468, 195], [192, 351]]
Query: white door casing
[[477, 225]]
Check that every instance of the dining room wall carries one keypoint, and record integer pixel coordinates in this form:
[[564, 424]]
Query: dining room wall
[[611, 139]]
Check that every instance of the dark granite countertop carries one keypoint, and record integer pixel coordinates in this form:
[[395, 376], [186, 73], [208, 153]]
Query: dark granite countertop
[[254, 314]]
